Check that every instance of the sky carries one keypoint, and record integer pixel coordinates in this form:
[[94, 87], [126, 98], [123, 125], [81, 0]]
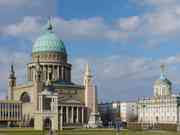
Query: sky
[[124, 41]]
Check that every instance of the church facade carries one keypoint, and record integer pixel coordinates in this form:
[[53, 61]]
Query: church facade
[[49, 98]]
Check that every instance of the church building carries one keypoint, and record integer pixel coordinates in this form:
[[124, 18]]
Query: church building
[[49, 98]]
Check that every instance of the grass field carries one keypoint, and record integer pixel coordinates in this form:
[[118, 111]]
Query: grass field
[[86, 132]]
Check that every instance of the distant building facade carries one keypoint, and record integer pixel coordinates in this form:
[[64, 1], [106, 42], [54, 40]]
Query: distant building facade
[[125, 111], [118, 111], [163, 107], [107, 114], [128, 111]]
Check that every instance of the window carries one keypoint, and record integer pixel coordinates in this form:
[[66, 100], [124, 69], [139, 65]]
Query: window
[[25, 98]]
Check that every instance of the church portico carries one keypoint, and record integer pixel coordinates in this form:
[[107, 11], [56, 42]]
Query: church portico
[[72, 114]]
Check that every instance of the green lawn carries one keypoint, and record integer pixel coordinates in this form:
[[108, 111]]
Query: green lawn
[[86, 132]]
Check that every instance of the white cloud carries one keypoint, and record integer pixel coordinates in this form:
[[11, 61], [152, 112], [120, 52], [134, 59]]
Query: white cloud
[[124, 74], [85, 28], [160, 23], [92, 28], [14, 3], [154, 26], [159, 2], [129, 24], [163, 23], [27, 27]]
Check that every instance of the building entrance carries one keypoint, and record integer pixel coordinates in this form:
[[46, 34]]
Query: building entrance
[[47, 124]]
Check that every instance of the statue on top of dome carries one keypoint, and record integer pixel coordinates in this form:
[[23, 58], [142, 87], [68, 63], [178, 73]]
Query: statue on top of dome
[[162, 66]]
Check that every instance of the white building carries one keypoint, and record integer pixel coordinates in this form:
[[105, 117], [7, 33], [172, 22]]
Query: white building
[[126, 111], [163, 107]]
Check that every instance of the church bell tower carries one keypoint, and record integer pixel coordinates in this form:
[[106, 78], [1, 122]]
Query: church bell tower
[[90, 90], [94, 119], [12, 82]]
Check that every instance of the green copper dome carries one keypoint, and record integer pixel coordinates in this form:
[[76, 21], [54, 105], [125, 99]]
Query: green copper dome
[[163, 79], [49, 42]]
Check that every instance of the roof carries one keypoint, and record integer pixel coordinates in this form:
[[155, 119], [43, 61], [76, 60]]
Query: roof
[[163, 81], [49, 42], [66, 84]]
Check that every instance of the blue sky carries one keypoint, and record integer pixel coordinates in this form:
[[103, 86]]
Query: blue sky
[[125, 41]]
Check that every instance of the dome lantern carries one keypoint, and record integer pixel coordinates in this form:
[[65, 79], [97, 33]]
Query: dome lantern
[[162, 86]]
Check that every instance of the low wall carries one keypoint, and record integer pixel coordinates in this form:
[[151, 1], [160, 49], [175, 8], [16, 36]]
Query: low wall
[[160, 126]]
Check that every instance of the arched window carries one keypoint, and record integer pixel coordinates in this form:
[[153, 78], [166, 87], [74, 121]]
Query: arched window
[[25, 98]]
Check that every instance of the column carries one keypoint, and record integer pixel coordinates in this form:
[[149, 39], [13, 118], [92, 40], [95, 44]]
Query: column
[[28, 73], [13, 112], [58, 72], [44, 72], [82, 115], [40, 103], [5, 106], [72, 114], [43, 77], [33, 73], [177, 114], [77, 115], [0, 111], [16, 111], [48, 71], [52, 72], [62, 73], [8, 111], [69, 74], [2, 107], [4, 111], [61, 118], [65, 74], [67, 114]]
